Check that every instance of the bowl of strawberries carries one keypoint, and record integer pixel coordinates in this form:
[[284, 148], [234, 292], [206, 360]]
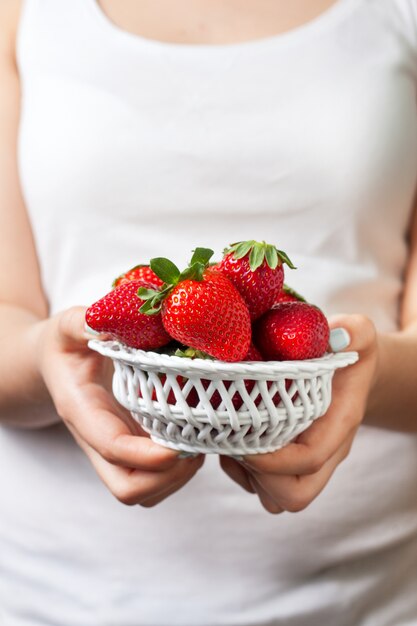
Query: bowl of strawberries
[[220, 357]]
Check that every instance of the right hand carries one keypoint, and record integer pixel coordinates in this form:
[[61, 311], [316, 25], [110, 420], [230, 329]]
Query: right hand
[[134, 468]]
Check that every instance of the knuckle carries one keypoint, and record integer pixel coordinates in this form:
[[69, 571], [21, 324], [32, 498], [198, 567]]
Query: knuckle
[[314, 464], [297, 503], [107, 453], [346, 452], [272, 508], [65, 412], [359, 319], [158, 458], [363, 324], [124, 494], [149, 504]]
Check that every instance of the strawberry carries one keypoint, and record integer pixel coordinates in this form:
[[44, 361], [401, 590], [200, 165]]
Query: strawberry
[[118, 314], [139, 272], [292, 331], [216, 399], [192, 397], [287, 294], [200, 307], [256, 270], [253, 354]]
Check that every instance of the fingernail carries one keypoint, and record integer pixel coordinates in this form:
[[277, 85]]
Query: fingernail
[[339, 339], [186, 455], [91, 331], [237, 457]]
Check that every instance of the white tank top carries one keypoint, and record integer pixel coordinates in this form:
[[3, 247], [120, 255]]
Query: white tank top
[[131, 148]]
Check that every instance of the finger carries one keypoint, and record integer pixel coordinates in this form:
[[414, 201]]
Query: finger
[[357, 332], [317, 444], [73, 330], [90, 413], [142, 487], [131, 486], [295, 493], [236, 472], [153, 501], [269, 503], [71, 326], [314, 447]]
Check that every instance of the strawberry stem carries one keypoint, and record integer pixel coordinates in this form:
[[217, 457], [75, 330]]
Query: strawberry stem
[[167, 271]]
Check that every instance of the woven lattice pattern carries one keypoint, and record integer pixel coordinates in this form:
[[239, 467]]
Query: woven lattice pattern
[[224, 408]]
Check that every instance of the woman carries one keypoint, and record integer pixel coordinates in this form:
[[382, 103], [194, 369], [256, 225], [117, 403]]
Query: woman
[[149, 128]]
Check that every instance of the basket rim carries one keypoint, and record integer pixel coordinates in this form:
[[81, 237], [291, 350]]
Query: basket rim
[[154, 361]]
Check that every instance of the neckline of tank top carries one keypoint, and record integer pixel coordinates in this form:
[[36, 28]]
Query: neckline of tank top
[[330, 16]]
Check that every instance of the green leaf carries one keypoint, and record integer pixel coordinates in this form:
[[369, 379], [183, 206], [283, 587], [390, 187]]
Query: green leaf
[[187, 274], [147, 294], [285, 259], [198, 269], [193, 272], [201, 255], [191, 353], [271, 255], [166, 270], [257, 256], [149, 309], [242, 249], [292, 292]]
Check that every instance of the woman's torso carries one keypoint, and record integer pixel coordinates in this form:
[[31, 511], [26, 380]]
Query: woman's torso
[[130, 148]]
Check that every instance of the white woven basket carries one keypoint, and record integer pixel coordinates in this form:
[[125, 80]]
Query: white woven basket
[[236, 408]]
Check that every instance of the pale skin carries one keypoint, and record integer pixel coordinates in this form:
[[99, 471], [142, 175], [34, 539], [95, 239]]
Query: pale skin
[[45, 362]]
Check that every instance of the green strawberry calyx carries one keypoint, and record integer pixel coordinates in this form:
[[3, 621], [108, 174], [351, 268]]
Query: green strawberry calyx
[[291, 292], [192, 353], [258, 253], [167, 271]]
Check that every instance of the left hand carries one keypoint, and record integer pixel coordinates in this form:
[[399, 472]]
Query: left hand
[[292, 477]]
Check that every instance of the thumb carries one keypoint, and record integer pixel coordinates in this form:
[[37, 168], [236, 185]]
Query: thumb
[[72, 327], [352, 332]]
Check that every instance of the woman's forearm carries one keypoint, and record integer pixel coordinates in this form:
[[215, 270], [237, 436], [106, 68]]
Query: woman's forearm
[[24, 399], [393, 399]]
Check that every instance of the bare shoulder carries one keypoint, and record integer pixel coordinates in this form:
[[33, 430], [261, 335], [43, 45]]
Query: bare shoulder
[[9, 20]]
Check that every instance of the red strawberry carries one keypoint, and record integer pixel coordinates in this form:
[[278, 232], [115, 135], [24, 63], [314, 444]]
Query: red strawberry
[[256, 270], [139, 272], [118, 314], [253, 354], [292, 331], [192, 397], [287, 294], [200, 308]]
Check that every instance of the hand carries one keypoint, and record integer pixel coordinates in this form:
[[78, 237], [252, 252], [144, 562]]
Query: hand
[[292, 477], [135, 470]]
